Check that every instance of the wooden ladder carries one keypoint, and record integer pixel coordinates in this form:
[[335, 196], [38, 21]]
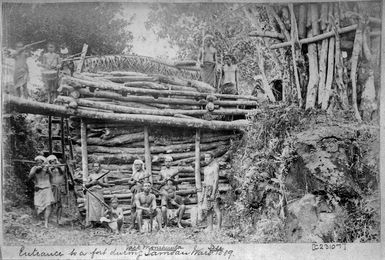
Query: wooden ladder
[[66, 147]]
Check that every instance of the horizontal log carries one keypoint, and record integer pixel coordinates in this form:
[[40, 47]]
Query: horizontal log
[[172, 101], [316, 38], [121, 73], [267, 34], [33, 107], [165, 112], [118, 140], [124, 79], [185, 63], [154, 149]]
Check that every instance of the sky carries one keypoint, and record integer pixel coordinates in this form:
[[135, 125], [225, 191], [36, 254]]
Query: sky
[[145, 41]]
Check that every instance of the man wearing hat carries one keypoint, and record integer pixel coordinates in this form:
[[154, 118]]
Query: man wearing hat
[[139, 176], [58, 182], [167, 171], [229, 76], [208, 60], [43, 197]]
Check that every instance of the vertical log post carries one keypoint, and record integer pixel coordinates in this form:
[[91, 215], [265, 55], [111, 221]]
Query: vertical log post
[[198, 182], [82, 58], [83, 141], [147, 152], [50, 149]]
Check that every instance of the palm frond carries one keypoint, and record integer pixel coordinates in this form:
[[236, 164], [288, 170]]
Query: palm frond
[[136, 63]]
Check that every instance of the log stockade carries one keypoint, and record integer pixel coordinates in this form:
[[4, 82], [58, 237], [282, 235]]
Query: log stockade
[[117, 117]]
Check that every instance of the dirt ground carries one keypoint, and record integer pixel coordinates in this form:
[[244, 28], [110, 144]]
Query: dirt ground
[[21, 228]]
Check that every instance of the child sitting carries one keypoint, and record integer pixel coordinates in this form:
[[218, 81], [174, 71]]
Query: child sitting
[[114, 216]]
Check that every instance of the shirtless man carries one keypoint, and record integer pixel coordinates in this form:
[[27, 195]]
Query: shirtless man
[[58, 182], [210, 190], [139, 175], [168, 172], [171, 200], [208, 60], [43, 197], [230, 77], [145, 203]]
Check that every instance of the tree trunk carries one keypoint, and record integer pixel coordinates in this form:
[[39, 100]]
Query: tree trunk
[[302, 21], [294, 35], [341, 87], [279, 21], [323, 54], [368, 98], [353, 74], [330, 75], [311, 94], [118, 140]]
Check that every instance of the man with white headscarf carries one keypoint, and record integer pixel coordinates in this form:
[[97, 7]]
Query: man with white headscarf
[[43, 197], [139, 176]]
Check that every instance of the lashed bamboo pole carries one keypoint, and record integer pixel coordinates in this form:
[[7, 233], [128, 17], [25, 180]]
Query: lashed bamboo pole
[[267, 34], [316, 38]]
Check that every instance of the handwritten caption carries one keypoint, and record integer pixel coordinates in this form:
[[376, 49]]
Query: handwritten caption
[[330, 246], [136, 251]]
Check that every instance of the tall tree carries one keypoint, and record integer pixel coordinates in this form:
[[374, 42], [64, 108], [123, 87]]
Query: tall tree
[[97, 24]]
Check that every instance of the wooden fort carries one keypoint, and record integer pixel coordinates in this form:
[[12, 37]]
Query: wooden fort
[[122, 108]]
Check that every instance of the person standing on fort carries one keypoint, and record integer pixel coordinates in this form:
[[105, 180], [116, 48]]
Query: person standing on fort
[[94, 206], [51, 63], [21, 72], [59, 188], [208, 60], [210, 191], [229, 84], [43, 197]]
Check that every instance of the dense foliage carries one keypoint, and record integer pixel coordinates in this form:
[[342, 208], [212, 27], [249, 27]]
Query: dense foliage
[[96, 24]]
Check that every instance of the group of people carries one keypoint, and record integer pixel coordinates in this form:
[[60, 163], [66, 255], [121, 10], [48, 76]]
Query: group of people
[[224, 77], [50, 190], [52, 64], [146, 192], [50, 187]]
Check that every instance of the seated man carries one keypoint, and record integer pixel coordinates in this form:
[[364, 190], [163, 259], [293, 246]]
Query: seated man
[[114, 216], [145, 203], [170, 200]]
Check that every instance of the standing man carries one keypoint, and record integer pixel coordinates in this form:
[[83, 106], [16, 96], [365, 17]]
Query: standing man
[[43, 197], [145, 203], [94, 206], [230, 76], [210, 191], [139, 176], [21, 72], [59, 188], [51, 62], [208, 60], [170, 201]]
